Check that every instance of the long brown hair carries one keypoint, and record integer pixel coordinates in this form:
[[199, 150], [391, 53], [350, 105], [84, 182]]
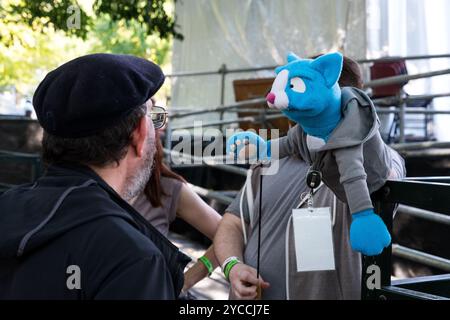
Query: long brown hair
[[154, 190], [351, 75]]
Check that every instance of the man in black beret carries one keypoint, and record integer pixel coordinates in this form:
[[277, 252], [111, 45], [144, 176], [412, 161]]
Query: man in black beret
[[72, 234]]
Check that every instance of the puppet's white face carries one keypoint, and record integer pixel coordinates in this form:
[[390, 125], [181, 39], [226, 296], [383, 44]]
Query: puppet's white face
[[277, 98]]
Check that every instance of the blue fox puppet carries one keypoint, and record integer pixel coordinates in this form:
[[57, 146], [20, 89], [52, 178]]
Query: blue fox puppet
[[345, 121]]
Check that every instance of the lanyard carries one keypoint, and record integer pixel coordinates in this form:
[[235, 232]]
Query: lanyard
[[314, 177]]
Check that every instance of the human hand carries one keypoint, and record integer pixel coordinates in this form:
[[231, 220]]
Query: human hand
[[244, 282]]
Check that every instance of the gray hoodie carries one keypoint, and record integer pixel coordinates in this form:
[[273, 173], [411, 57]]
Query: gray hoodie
[[355, 161]]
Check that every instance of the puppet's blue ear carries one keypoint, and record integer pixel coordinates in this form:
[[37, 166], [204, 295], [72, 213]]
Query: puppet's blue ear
[[279, 69], [330, 66], [292, 57]]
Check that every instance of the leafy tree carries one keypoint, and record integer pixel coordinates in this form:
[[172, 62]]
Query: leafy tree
[[26, 55], [28, 52], [128, 37], [150, 13]]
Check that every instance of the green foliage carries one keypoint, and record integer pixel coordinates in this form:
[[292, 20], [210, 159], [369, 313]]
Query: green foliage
[[29, 48], [128, 37], [40, 15], [25, 54], [149, 13]]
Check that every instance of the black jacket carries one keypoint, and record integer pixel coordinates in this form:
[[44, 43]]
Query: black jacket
[[69, 226]]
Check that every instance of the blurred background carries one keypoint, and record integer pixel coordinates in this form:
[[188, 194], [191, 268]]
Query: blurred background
[[192, 36], [219, 57]]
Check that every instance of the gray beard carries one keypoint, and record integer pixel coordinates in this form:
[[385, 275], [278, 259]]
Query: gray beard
[[137, 181]]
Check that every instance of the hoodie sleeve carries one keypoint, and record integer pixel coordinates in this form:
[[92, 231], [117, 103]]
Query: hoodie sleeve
[[288, 145], [398, 169], [350, 163], [144, 279]]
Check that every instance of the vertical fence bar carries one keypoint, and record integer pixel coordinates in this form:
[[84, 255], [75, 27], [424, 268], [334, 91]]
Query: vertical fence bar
[[168, 141], [378, 269], [223, 73], [402, 115]]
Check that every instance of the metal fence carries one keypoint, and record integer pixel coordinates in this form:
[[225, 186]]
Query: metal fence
[[399, 101], [423, 198], [224, 70], [34, 160], [426, 198], [414, 194]]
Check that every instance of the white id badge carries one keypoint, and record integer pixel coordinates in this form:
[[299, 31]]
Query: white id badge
[[313, 239]]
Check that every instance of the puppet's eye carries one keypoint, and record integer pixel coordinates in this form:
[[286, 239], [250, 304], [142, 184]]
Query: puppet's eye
[[298, 85]]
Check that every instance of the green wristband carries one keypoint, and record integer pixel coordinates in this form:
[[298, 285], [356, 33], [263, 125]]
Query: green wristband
[[207, 263], [228, 268]]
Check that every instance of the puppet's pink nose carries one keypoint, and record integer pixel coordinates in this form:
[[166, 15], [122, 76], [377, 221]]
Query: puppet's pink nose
[[271, 98]]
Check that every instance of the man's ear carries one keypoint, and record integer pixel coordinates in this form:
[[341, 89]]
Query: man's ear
[[139, 135], [330, 66]]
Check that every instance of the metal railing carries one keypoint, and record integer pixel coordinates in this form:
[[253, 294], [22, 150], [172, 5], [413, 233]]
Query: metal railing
[[212, 195], [425, 214], [263, 116], [404, 78], [407, 58], [233, 107], [394, 192], [415, 193], [421, 257], [395, 187], [27, 158], [416, 196], [207, 162], [426, 198], [426, 189], [224, 70]]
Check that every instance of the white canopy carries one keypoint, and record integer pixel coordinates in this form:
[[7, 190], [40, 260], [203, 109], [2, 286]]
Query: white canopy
[[257, 33]]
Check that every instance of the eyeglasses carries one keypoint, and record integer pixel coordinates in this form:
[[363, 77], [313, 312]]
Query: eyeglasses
[[158, 116]]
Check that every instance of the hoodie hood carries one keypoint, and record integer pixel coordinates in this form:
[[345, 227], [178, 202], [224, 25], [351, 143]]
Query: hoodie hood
[[359, 121], [67, 197], [29, 214]]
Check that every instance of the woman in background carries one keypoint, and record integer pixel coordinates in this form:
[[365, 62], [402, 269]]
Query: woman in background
[[168, 196]]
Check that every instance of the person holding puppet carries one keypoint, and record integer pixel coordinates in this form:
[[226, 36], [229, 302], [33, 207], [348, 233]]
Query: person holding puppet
[[337, 134]]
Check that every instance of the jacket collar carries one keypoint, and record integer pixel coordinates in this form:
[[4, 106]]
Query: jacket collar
[[84, 172], [349, 94], [80, 171]]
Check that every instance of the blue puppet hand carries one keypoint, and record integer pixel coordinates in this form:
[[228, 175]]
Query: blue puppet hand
[[368, 233], [248, 146]]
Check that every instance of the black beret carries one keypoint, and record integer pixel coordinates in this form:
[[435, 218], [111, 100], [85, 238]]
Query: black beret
[[93, 92]]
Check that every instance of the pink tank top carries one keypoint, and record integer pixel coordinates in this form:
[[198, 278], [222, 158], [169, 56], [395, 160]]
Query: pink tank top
[[161, 217]]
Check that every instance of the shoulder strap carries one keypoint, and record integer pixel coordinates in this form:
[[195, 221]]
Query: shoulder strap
[[249, 194]]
